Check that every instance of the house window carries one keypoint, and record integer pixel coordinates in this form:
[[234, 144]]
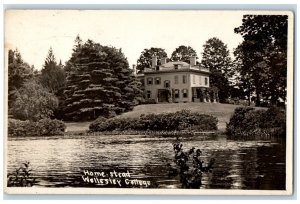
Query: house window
[[176, 93], [176, 79], [167, 84], [149, 81], [199, 77], [206, 81], [184, 93], [194, 79], [175, 66], [157, 80], [184, 79], [148, 94]]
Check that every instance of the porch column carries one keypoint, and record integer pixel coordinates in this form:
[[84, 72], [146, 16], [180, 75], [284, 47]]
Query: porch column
[[207, 95], [194, 92], [217, 96], [204, 95]]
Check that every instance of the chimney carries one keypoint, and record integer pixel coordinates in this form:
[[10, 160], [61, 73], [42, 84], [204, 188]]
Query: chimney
[[193, 60], [134, 69], [154, 61], [163, 60]]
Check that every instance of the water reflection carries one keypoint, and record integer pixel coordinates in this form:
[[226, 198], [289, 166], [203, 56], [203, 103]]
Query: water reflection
[[61, 161]]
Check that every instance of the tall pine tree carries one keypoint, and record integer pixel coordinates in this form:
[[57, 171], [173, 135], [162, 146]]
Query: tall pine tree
[[99, 82], [52, 75]]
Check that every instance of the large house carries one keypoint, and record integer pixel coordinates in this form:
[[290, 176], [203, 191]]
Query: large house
[[177, 82]]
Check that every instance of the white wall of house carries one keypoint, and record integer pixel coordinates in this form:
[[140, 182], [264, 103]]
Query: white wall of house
[[181, 81], [198, 80], [165, 78]]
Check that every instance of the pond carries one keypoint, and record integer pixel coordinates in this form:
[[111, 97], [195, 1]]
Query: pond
[[61, 161]]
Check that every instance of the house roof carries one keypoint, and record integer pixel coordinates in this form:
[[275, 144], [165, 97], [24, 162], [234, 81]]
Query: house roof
[[171, 64]]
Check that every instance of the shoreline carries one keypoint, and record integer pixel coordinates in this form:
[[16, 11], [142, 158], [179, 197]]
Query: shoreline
[[131, 132]]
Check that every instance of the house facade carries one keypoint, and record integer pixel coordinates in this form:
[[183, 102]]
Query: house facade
[[177, 82]]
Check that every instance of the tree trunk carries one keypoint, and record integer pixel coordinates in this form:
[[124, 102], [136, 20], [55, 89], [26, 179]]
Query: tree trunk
[[257, 103]]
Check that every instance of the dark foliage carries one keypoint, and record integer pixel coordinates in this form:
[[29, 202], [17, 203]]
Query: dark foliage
[[33, 102], [183, 53], [18, 72], [247, 123], [53, 76], [44, 127], [189, 166], [216, 58], [21, 177], [145, 58], [149, 101], [98, 81], [261, 59], [181, 120]]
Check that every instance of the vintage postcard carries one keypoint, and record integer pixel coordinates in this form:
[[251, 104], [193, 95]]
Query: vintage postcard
[[149, 102]]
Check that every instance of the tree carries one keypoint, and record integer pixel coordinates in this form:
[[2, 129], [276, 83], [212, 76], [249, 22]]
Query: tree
[[33, 102], [243, 81], [52, 75], [216, 58], [264, 58], [183, 53], [145, 58], [18, 72], [99, 82]]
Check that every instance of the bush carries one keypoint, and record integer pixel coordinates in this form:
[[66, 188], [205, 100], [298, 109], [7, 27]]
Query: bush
[[44, 127], [149, 101], [248, 123], [181, 120]]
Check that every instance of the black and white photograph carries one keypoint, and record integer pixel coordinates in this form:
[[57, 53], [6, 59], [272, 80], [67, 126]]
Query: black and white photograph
[[167, 102]]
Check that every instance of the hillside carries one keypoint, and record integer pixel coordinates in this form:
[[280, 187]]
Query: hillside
[[222, 111]]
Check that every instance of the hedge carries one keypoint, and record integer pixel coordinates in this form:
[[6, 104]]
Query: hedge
[[247, 123], [44, 127], [180, 120]]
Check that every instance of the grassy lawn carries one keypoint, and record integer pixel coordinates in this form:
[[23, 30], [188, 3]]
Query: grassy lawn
[[77, 126], [222, 111]]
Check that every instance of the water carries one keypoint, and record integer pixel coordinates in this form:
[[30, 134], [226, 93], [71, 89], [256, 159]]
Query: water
[[60, 161]]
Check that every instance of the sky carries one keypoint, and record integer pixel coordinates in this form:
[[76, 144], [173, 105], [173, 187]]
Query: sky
[[33, 32]]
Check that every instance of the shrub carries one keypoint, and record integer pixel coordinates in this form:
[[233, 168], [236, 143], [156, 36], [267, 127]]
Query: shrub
[[149, 101], [33, 102], [21, 177], [44, 127], [247, 123], [190, 173], [180, 120]]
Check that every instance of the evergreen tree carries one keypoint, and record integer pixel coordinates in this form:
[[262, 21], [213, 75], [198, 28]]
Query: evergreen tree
[[99, 82], [216, 58], [52, 75]]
